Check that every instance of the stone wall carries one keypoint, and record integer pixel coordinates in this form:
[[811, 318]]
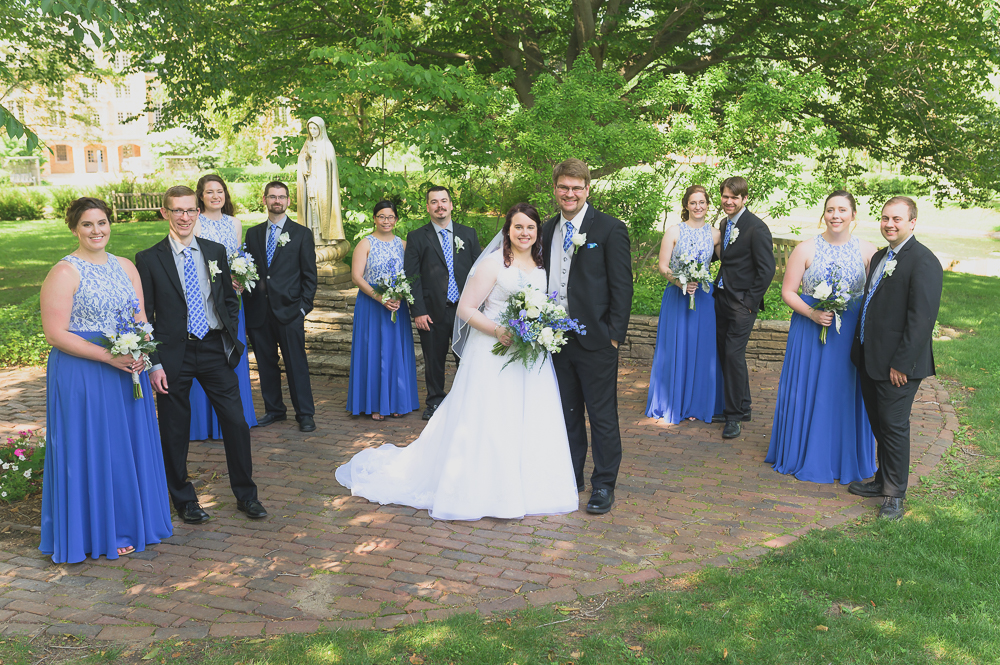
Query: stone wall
[[765, 349]]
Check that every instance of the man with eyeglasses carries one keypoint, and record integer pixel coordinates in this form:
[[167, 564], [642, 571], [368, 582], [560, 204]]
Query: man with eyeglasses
[[190, 302], [276, 308], [588, 261]]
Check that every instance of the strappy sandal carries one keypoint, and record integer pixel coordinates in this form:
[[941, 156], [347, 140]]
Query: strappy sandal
[[128, 550], [378, 417], [397, 415]]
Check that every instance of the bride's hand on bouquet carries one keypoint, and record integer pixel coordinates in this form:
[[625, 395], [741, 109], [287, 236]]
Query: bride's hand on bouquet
[[504, 335]]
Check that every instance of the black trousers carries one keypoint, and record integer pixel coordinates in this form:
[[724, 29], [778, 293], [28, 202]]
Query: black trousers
[[206, 361], [291, 339], [590, 379], [733, 325], [889, 410], [435, 344]]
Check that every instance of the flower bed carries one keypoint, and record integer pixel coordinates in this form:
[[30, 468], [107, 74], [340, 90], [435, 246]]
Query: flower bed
[[21, 462]]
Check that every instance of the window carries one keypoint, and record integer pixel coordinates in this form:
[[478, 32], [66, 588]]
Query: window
[[123, 91], [122, 61], [57, 118], [157, 114], [128, 151], [122, 118], [62, 153], [95, 118], [88, 90]]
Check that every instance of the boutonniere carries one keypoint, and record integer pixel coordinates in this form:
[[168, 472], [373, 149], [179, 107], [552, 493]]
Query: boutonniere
[[459, 245], [283, 239], [888, 268], [734, 235], [213, 270], [578, 239]]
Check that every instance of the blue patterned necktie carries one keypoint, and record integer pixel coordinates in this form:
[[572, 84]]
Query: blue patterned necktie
[[197, 321], [272, 238], [449, 258], [568, 236], [725, 243], [875, 282]]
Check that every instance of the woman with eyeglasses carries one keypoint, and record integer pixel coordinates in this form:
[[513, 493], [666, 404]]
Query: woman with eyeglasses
[[216, 222], [383, 376], [104, 491]]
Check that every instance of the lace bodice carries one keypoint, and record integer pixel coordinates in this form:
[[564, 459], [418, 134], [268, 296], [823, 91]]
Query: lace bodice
[[384, 258], [844, 260], [104, 290], [696, 243], [220, 230], [510, 280]]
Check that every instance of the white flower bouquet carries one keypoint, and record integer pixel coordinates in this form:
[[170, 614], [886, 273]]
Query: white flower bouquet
[[538, 324], [243, 268], [693, 270], [833, 295], [129, 338], [395, 287]]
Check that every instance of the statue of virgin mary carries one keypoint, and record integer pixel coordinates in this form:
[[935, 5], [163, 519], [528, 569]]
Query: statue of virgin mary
[[319, 193]]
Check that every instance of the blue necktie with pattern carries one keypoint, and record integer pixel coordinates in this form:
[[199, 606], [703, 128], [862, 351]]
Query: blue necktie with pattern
[[449, 259], [875, 282], [272, 239], [197, 320], [725, 243], [568, 236]]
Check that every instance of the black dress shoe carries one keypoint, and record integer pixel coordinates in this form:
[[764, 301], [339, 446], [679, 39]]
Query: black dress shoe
[[892, 508], [253, 509], [192, 513], [732, 429], [601, 501], [720, 418], [307, 424], [269, 418], [858, 488], [429, 411]]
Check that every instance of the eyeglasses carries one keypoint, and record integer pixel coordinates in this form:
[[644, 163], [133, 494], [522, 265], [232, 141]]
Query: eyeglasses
[[283, 197], [385, 218], [182, 213], [563, 189]]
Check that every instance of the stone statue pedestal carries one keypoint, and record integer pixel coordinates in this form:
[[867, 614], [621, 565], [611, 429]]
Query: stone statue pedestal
[[332, 252]]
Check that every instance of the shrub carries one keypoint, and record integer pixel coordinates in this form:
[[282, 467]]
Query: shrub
[[22, 341], [62, 197], [21, 203], [22, 460], [149, 186]]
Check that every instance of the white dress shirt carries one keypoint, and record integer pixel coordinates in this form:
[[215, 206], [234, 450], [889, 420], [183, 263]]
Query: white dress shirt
[[561, 260]]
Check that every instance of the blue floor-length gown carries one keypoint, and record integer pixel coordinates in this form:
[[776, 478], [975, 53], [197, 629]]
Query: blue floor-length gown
[[383, 375], [685, 380], [204, 422], [104, 486], [820, 431]]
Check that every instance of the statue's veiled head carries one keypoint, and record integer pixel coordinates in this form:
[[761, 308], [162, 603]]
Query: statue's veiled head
[[316, 128]]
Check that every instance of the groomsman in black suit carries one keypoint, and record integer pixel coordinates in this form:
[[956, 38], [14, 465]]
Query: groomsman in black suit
[[746, 271], [194, 310], [588, 262], [438, 256], [892, 347], [276, 309]]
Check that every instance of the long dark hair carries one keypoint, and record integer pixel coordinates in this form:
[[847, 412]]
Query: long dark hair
[[227, 208], [536, 249]]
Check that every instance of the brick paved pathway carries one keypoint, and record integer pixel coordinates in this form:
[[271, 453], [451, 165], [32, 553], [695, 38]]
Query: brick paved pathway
[[685, 499]]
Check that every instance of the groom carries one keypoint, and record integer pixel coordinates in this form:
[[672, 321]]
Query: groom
[[588, 262]]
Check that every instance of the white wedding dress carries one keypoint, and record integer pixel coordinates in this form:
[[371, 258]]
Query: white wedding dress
[[496, 446]]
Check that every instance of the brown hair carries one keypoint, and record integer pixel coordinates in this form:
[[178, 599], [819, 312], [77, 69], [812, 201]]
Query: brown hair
[[571, 168], [910, 204], [840, 192], [737, 185], [438, 188], [227, 208], [177, 192], [693, 189], [536, 249], [75, 210], [274, 184]]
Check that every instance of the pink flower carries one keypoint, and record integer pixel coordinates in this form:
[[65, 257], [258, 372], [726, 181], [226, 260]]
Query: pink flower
[[25, 433], [10, 440], [19, 452]]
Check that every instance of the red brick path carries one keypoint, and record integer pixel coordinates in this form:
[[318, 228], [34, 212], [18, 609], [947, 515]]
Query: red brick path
[[685, 499]]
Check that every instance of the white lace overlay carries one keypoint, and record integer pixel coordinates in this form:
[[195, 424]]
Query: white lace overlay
[[496, 447]]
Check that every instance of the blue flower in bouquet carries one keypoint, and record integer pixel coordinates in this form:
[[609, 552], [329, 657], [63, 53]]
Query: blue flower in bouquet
[[128, 338], [833, 295], [539, 325]]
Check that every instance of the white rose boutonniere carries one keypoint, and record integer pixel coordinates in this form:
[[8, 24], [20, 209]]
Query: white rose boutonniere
[[283, 239], [459, 245], [734, 235], [579, 239], [888, 268], [213, 270]]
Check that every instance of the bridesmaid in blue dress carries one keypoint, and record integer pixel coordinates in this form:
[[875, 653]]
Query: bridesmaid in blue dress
[[821, 431], [104, 491], [383, 376], [216, 222], [685, 380]]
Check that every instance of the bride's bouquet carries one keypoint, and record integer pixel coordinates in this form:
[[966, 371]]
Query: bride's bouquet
[[693, 270], [538, 324], [129, 338], [832, 295], [394, 287], [243, 268]]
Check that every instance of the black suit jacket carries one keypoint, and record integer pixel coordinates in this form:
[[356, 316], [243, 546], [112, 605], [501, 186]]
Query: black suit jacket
[[424, 261], [747, 266], [166, 307], [599, 291], [288, 286], [901, 315]]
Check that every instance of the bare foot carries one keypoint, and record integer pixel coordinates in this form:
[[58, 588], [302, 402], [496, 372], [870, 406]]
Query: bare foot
[[378, 416], [125, 551]]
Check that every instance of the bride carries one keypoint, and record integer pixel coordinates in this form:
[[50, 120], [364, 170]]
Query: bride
[[497, 445]]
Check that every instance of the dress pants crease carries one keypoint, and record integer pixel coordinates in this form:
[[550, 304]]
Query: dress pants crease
[[733, 325], [435, 344], [291, 339]]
